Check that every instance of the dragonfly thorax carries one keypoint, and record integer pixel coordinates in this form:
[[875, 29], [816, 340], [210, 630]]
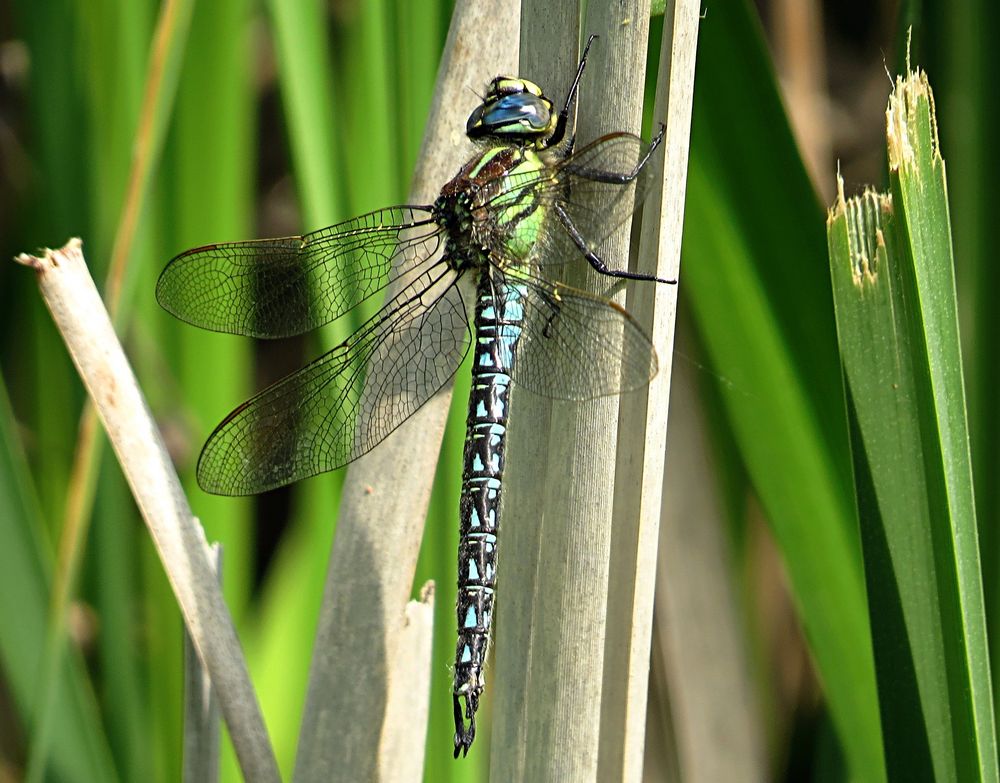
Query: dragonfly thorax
[[490, 213], [456, 212]]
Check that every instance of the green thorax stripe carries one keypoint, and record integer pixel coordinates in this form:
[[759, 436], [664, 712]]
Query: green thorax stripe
[[521, 209]]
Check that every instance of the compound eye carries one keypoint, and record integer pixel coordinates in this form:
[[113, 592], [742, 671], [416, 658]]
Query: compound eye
[[519, 115]]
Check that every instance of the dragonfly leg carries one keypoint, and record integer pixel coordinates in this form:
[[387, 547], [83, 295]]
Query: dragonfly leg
[[595, 260], [560, 131], [619, 177]]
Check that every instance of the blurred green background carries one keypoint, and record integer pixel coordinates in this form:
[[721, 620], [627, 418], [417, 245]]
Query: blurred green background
[[291, 116]]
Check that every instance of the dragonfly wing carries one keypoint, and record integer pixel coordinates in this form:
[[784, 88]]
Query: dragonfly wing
[[340, 406], [291, 285], [576, 346]]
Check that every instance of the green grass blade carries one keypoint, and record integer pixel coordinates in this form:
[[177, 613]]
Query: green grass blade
[[917, 178], [210, 199], [208, 188], [313, 113], [79, 749], [48, 399], [760, 294], [279, 642], [956, 43], [111, 112], [114, 537], [891, 261], [370, 148], [304, 66], [419, 35]]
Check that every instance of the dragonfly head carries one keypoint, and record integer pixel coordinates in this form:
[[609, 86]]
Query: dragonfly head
[[513, 111]]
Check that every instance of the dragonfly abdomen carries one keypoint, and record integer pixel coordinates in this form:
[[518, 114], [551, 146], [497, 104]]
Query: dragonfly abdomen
[[498, 317]]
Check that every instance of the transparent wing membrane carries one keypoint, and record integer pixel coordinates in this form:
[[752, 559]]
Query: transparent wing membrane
[[291, 285], [576, 346], [340, 406]]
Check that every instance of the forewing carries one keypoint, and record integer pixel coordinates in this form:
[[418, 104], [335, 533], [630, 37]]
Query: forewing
[[291, 285], [340, 406], [576, 346]]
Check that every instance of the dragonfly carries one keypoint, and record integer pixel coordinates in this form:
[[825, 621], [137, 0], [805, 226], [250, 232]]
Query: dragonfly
[[525, 205]]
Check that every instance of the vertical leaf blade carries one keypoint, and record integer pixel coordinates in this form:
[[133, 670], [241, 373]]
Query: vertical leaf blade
[[892, 268], [761, 300]]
